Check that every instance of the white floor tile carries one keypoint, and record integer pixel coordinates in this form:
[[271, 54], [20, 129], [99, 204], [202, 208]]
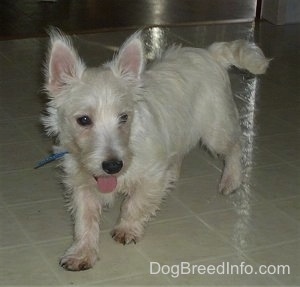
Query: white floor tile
[[183, 240], [24, 266]]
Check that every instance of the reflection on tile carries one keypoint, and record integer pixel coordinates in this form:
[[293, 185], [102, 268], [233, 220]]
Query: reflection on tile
[[260, 227], [262, 157], [109, 40], [202, 36], [92, 51]]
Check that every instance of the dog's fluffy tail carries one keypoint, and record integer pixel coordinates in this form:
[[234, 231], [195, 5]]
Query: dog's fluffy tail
[[240, 53]]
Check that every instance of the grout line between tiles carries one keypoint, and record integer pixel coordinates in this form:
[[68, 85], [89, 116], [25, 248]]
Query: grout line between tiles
[[270, 246], [26, 204], [224, 239], [32, 244]]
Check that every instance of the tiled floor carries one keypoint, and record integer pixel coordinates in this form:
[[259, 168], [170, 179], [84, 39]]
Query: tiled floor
[[260, 224]]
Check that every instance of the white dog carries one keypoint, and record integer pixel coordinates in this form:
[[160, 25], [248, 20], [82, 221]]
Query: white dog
[[127, 128]]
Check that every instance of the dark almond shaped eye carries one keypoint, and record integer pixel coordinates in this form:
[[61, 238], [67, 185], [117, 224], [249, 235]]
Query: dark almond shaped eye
[[123, 118], [84, 121]]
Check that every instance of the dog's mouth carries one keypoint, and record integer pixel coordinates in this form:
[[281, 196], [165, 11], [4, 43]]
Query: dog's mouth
[[106, 184]]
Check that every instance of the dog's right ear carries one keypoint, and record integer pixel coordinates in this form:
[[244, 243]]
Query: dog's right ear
[[63, 65]]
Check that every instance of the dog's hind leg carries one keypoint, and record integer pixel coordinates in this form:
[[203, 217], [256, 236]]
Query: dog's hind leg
[[229, 149], [232, 172]]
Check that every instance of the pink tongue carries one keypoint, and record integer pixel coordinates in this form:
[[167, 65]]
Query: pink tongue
[[106, 183]]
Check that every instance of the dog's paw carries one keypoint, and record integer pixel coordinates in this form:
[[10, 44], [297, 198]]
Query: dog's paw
[[124, 235], [229, 184], [78, 261], [75, 264]]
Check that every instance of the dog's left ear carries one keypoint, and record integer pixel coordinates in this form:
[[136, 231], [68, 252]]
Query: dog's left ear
[[131, 57]]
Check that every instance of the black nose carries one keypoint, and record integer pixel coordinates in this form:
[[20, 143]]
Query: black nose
[[112, 166]]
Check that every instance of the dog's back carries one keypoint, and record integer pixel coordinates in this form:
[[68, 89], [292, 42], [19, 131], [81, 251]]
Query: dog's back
[[189, 89]]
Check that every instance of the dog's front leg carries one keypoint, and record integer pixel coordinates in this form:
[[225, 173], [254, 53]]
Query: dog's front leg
[[84, 251], [137, 208]]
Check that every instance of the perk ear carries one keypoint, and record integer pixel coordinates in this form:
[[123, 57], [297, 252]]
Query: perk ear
[[131, 57], [63, 63]]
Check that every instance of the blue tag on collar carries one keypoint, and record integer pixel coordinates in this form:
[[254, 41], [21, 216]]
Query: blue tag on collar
[[50, 158]]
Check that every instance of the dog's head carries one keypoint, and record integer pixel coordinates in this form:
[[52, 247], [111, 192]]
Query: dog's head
[[91, 110]]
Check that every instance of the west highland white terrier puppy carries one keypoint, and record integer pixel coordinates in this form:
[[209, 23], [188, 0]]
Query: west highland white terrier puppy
[[126, 129]]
